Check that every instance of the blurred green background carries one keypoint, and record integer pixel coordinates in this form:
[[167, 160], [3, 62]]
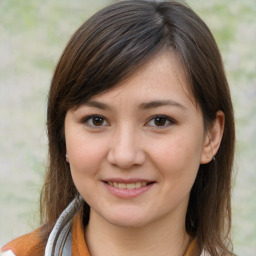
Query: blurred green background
[[33, 34]]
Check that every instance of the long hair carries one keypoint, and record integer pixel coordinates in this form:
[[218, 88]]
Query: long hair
[[108, 48]]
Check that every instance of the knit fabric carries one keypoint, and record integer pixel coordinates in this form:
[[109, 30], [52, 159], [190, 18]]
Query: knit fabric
[[26, 245]]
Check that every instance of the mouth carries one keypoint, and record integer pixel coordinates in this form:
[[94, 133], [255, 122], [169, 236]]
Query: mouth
[[128, 189], [129, 186]]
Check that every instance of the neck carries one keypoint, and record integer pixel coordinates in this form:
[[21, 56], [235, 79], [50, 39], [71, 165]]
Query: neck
[[159, 238]]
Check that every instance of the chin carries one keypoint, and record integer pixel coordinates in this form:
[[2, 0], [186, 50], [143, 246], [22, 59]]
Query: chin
[[126, 219], [128, 222]]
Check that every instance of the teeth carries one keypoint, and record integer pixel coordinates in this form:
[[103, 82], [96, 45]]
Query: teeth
[[131, 186], [138, 185], [127, 186], [122, 185]]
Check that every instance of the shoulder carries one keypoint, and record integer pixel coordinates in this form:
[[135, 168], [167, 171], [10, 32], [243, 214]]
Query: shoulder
[[26, 245]]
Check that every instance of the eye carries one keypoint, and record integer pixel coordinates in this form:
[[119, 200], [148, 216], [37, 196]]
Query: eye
[[160, 121], [95, 121]]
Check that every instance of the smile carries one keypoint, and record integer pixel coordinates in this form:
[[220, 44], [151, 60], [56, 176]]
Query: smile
[[127, 185], [127, 189]]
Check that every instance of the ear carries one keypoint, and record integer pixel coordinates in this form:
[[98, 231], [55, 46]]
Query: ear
[[67, 160], [213, 138]]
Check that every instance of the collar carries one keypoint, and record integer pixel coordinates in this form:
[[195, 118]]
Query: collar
[[68, 237], [60, 239], [79, 246]]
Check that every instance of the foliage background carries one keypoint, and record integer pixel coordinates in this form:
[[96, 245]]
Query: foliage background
[[33, 34]]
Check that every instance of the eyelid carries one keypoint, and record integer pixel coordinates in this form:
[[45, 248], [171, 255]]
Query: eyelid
[[86, 119], [169, 119]]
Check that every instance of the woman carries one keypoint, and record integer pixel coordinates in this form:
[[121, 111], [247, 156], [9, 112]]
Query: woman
[[141, 139]]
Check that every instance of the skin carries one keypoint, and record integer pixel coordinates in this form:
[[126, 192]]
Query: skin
[[127, 141]]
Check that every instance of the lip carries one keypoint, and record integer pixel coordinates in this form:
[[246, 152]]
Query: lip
[[128, 193], [126, 181]]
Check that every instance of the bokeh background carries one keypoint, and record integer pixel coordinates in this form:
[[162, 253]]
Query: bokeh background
[[33, 34]]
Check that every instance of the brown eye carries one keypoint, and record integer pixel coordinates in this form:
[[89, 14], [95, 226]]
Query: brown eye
[[160, 121], [95, 121]]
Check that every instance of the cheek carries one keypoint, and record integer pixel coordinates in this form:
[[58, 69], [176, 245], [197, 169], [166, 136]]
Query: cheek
[[85, 153], [178, 155], [86, 157]]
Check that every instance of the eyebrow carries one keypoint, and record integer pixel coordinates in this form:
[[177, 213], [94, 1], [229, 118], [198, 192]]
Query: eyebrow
[[160, 103], [143, 106], [96, 104]]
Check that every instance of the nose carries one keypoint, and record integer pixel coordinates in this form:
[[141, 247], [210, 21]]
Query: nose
[[125, 149]]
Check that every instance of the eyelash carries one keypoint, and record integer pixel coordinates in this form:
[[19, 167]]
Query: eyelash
[[165, 118], [89, 118]]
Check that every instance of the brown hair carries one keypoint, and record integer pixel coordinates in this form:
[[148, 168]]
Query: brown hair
[[109, 47]]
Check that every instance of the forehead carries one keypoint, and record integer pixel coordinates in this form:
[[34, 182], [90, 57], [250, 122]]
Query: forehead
[[162, 77]]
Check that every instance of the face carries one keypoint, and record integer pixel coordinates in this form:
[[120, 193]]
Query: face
[[134, 151]]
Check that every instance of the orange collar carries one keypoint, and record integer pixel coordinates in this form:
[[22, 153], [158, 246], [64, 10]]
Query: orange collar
[[193, 249], [79, 247]]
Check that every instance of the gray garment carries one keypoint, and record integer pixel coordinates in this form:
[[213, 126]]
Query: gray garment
[[61, 236]]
